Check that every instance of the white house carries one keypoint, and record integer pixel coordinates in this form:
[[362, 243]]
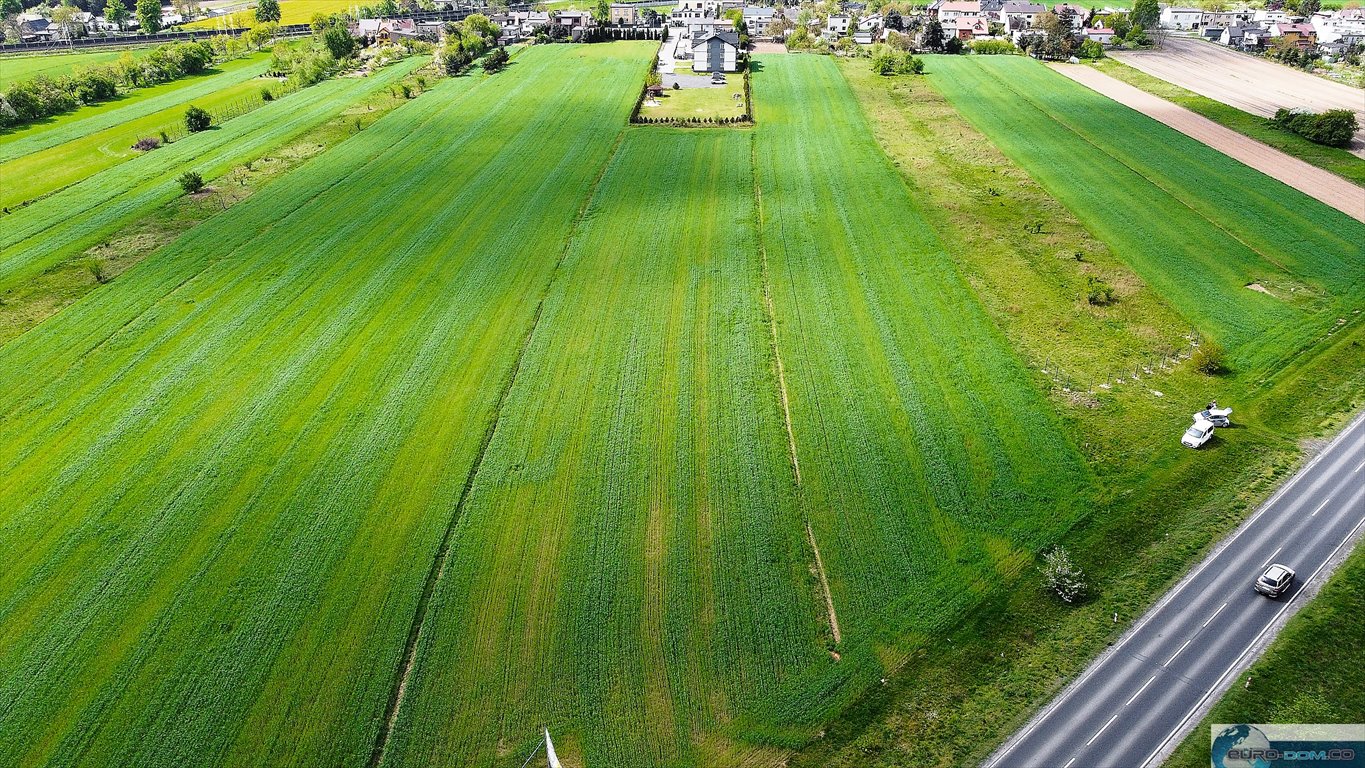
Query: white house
[[954, 9], [716, 52], [1266, 18], [870, 23], [1017, 15], [758, 19], [837, 26], [1100, 35], [1176, 17]]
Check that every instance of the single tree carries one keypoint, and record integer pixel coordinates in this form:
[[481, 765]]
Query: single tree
[[115, 12], [339, 42], [191, 182], [601, 12], [1309, 7], [933, 36], [496, 60], [149, 16], [11, 8], [197, 119], [1061, 576], [1146, 13], [892, 20], [268, 10]]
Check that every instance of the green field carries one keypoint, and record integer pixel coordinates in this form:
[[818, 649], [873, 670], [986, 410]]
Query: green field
[[130, 107], [15, 68], [503, 413], [291, 12], [1135, 183], [714, 103]]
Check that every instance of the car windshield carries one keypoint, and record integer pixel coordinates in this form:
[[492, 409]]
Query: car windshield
[[1195, 431]]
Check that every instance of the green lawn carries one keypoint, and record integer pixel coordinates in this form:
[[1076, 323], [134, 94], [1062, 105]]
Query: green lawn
[[1137, 183], [1310, 674], [131, 106], [700, 103], [15, 68], [1338, 161]]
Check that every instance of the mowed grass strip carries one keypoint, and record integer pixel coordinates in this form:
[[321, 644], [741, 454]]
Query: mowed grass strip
[[629, 565], [215, 535], [24, 141], [67, 222], [931, 466], [1195, 224], [16, 68], [48, 170]]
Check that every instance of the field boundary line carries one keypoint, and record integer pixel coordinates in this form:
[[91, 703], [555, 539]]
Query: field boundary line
[[770, 311], [438, 564]]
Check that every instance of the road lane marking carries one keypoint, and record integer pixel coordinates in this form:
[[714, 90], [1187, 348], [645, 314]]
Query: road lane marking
[[1144, 687], [1177, 653], [1272, 557], [1069, 762], [1101, 730], [1320, 506], [1358, 466], [1218, 684], [1215, 613]]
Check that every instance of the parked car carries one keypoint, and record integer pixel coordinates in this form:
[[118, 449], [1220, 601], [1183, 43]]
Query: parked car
[[717, 78], [1275, 581], [1200, 432], [1219, 417]]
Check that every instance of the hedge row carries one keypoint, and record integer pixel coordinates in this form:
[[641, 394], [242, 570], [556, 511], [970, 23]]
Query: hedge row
[[691, 120]]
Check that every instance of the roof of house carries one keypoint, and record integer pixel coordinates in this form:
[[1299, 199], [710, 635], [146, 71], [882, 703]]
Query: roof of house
[[1178, 9], [1076, 9], [1303, 29], [1099, 31], [1019, 7], [753, 12], [1213, 32], [729, 37], [961, 6]]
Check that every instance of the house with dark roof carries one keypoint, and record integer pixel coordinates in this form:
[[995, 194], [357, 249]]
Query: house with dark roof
[[716, 51]]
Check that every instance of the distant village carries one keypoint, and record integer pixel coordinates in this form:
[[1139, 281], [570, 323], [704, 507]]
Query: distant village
[[727, 27]]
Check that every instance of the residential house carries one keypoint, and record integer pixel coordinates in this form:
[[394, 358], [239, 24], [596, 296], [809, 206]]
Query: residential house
[[968, 27], [864, 38], [624, 14], [1224, 19], [1019, 16], [572, 20], [1300, 36], [952, 9], [991, 9], [1177, 17], [1254, 37], [384, 30], [870, 23], [1267, 18], [1101, 35], [716, 52], [1235, 36], [35, 29], [837, 25], [1212, 34], [1332, 28], [758, 19]]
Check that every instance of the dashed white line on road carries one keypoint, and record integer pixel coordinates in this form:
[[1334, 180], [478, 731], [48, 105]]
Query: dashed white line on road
[[1101, 730], [1215, 613], [1358, 466], [1177, 653], [1144, 687], [1320, 506], [1272, 557], [1069, 762]]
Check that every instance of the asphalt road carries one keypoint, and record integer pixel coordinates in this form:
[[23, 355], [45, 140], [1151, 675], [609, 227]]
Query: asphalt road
[[1134, 704]]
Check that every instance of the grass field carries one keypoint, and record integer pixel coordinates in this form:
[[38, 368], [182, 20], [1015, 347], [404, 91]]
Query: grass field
[[41, 235], [48, 170], [1134, 182], [700, 102], [291, 12], [15, 68], [1334, 159], [88, 120]]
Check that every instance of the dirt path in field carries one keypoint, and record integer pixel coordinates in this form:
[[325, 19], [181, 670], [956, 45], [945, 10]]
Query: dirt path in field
[[1251, 84], [824, 586], [1315, 182]]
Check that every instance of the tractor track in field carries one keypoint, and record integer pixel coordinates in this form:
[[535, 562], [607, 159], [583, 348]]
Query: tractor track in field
[[771, 316], [437, 569]]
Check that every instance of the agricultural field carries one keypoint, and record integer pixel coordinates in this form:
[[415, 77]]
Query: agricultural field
[[15, 68], [291, 12], [698, 446], [130, 107], [1260, 268]]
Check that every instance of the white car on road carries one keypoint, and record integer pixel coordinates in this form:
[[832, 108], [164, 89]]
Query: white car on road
[[1200, 432]]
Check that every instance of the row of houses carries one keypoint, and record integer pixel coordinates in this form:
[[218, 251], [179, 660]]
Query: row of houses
[[1258, 28]]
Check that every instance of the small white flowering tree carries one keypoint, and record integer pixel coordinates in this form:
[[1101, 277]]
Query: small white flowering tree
[[1061, 576]]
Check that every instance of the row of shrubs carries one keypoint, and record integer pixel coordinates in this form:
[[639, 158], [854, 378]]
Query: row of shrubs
[[1335, 127], [41, 96], [643, 120]]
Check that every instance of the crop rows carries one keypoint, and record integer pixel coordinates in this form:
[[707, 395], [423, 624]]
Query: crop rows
[[140, 103], [63, 224], [1195, 224], [931, 466], [224, 475], [629, 564]]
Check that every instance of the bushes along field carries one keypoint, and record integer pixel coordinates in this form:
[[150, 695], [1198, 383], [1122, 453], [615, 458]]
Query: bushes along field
[[1136, 183]]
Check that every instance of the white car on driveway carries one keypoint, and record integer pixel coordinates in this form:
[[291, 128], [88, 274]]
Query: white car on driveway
[[1200, 432]]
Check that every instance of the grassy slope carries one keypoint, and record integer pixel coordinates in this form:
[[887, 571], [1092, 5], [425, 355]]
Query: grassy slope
[[1310, 674], [48, 170], [63, 224], [137, 104], [635, 499], [238, 561], [931, 468], [15, 68], [958, 698], [1338, 161], [1134, 181]]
